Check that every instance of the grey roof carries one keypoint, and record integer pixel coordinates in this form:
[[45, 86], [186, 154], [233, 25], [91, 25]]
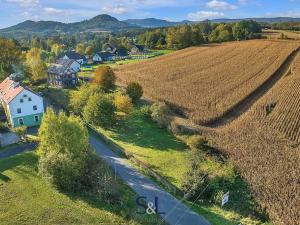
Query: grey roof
[[140, 47], [66, 62], [121, 52], [105, 54], [75, 55], [60, 69]]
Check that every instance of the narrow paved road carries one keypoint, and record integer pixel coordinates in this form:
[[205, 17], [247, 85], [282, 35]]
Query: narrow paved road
[[176, 213], [17, 150]]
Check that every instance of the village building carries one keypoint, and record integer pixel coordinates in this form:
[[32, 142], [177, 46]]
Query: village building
[[22, 106], [63, 74], [81, 59], [103, 57], [138, 49]]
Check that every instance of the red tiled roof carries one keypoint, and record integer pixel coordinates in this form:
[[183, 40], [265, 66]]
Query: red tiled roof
[[9, 89]]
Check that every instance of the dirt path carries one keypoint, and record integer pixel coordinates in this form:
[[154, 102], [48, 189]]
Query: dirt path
[[247, 102]]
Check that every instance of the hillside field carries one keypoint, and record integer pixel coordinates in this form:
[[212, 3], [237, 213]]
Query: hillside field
[[206, 82]]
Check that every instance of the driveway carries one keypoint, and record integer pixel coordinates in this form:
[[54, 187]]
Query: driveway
[[176, 213], [17, 150]]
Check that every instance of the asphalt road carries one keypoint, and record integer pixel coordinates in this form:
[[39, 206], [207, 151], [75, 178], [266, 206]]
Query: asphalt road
[[176, 213], [17, 150]]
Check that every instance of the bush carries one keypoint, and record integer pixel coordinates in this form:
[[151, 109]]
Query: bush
[[100, 111], [196, 142], [123, 103], [20, 131], [145, 111], [4, 126], [160, 113], [62, 150], [135, 91]]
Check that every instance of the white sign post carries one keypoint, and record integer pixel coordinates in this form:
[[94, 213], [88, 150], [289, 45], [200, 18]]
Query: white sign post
[[225, 199]]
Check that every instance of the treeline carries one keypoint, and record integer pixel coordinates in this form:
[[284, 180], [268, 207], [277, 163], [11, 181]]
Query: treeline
[[285, 26], [190, 35]]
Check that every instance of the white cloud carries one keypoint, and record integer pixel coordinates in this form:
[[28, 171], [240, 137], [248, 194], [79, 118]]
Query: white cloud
[[202, 15], [115, 10], [26, 3], [220, 5]]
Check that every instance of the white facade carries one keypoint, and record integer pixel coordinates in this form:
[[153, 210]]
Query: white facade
[[97, 58], [26, 103]]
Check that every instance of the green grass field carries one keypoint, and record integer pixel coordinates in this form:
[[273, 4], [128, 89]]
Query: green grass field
[[27, 199], [88, 71]]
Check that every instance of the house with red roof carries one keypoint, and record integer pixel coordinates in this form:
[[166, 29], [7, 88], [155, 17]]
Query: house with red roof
[[22, 106]]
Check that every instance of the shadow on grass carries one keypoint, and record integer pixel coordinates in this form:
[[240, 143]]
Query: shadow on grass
[[143, 132], [26, 159]]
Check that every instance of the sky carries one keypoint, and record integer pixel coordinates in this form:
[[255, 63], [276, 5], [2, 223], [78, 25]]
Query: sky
[[16, 11]]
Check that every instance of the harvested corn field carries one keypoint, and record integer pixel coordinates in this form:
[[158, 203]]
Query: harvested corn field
[[264, 144], [207, 82]]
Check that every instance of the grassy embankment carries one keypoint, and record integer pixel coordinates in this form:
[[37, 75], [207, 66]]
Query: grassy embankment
[[28, 199]]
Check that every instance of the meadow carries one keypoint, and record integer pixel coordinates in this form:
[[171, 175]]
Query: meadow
[[204, 83], [27, 199]]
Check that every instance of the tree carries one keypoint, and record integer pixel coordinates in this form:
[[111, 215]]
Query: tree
[[89, 50], [78, 99], [10, 55], [123, 103], [56, 49], [135, 91], [80, 49], [104, 77], [35, 63], [63, 149], [100, 110]]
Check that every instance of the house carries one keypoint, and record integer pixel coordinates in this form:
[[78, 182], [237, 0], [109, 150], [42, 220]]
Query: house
[[75, 56], [121, 53], [138, 49], [62, 75], [111, 48], [103, 57], [70, 63], [22, 106]]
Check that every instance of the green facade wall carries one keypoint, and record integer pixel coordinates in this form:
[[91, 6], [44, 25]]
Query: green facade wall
[[28, 120]]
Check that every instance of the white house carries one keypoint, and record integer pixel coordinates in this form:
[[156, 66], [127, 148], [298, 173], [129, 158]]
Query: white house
[[75, 56], [22, 106]]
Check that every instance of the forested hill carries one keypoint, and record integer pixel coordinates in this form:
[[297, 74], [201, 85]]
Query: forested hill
[[96, 24]]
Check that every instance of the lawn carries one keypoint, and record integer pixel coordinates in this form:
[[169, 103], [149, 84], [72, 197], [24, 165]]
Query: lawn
[[27, 199], [88, 70]]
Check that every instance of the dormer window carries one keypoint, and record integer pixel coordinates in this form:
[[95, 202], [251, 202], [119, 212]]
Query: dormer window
[[21, 100]]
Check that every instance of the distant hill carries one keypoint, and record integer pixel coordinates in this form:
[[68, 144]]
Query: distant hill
[[107, 23], [261, 20], [154, 23], [101, 23]]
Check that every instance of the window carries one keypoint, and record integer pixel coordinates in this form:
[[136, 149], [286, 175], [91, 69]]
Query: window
[[21, 121], [25, 96], [34, 107], [19, 110], [21, 100], [36, 118], [29, 99]]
